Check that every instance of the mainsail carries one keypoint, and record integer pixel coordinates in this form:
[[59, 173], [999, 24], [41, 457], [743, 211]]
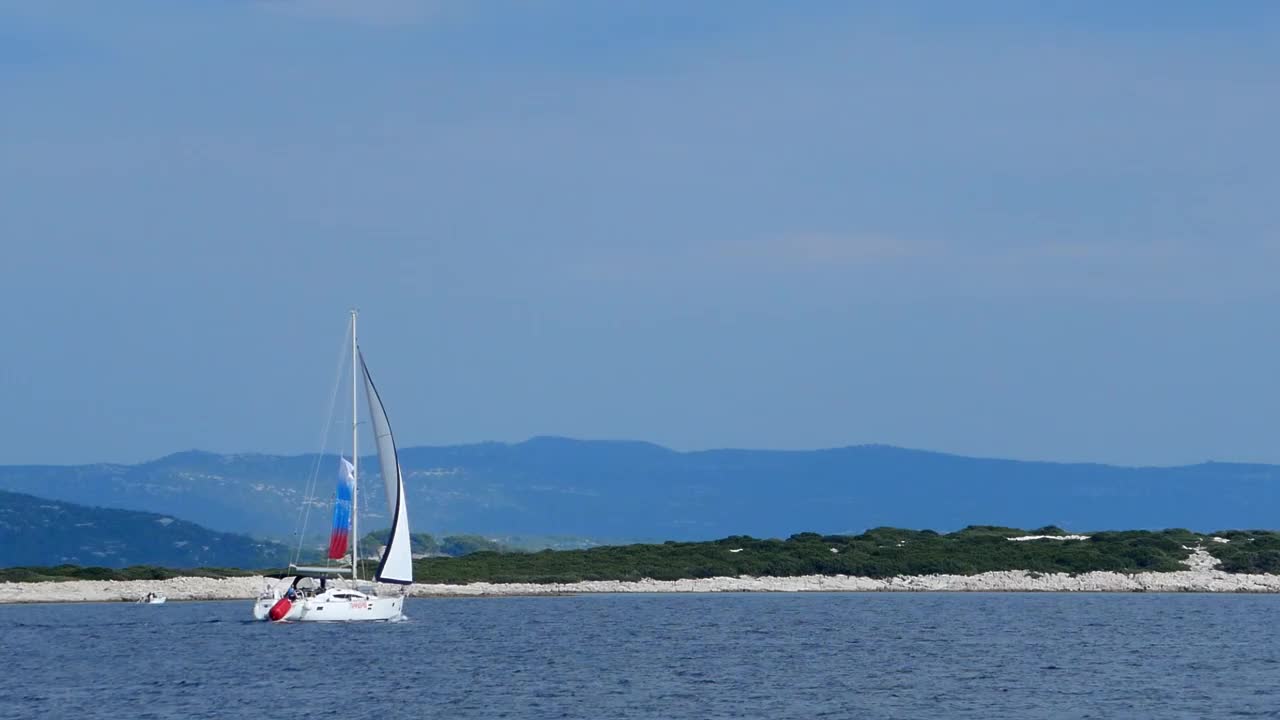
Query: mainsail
[[397, 561], [342, 510]]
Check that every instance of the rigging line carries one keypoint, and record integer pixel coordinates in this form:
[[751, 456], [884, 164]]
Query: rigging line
[[309, 492], [304, 513]]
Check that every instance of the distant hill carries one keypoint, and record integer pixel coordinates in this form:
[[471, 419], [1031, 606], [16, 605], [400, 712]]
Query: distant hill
[[632, 490], [36, 531], [426, 544]]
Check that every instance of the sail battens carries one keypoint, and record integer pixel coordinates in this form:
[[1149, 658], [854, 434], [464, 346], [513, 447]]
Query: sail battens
[[396, 565]]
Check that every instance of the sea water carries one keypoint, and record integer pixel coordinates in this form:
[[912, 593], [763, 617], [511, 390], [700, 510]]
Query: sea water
[[658, 656]]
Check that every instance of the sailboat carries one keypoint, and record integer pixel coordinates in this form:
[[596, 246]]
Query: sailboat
[[306, 594]]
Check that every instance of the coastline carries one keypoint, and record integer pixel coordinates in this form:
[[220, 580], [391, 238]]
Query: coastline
[[1200, 577]]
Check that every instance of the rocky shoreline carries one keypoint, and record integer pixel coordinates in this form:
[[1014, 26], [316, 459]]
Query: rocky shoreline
[[1201, 576]]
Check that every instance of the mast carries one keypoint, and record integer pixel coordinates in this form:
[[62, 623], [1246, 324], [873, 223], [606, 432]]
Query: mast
[[355, 459]]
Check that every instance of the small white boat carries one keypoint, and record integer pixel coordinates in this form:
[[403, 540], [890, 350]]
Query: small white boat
[[152, 599], [299, 597]]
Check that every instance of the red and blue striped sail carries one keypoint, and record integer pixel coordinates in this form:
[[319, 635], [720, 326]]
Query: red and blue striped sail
[[341, 534]]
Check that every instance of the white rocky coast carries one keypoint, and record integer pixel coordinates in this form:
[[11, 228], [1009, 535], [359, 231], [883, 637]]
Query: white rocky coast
[[1201, 576]]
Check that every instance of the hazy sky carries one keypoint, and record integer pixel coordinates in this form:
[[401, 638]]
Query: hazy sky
[[1034, 230]]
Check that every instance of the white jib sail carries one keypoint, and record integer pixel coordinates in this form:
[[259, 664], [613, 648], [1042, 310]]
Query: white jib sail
[[397, 561]]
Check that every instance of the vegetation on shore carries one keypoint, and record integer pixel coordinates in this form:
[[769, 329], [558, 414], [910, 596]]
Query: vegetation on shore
[[1248, 551], [877, 553]]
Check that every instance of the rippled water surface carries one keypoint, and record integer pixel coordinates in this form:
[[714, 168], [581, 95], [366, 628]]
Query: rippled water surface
[[658, 656]]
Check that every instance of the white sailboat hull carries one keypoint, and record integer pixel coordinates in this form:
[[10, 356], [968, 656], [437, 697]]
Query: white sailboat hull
[[334, 606]]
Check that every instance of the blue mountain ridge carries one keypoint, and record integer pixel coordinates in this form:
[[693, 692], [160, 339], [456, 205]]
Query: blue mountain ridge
[[624, 489]]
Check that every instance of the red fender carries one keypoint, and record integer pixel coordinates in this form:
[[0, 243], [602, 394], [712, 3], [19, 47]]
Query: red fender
[[280, 609]]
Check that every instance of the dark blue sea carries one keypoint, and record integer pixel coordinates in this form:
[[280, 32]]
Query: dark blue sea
[[658, 656]]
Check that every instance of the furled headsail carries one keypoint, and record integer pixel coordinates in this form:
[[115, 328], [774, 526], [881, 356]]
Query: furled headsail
[[341, 534], [396, 565]]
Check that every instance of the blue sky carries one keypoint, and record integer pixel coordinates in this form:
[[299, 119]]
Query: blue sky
[[1034, 230]]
